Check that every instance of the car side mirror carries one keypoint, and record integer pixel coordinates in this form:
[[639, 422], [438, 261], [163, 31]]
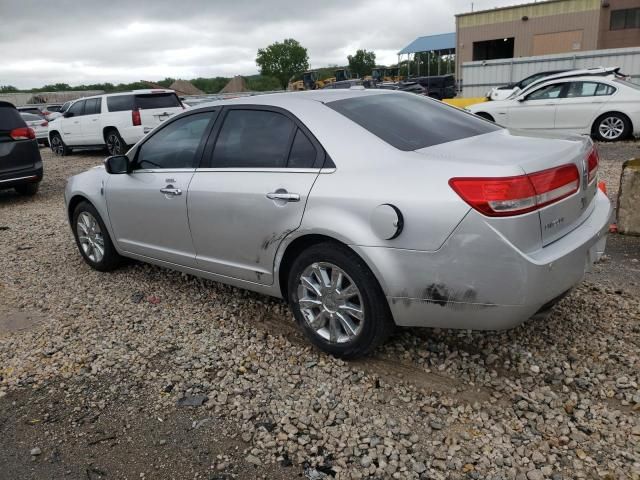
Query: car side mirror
[[117, 165], [68, 114]]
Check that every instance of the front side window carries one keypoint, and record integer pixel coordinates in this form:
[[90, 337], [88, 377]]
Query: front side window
[[175, 145], [547, 93], [410, 122], [77, 108], [253, 139]]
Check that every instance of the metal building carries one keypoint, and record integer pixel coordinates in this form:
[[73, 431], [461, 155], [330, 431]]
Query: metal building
[[547, 27]]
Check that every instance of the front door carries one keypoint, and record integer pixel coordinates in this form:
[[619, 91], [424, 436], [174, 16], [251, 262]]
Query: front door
[[148, 207], [538, 110], [71, 125], [253, 193]]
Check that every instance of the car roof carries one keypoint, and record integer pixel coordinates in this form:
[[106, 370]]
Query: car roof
[[597, 71], [6, 104], [287, 98]]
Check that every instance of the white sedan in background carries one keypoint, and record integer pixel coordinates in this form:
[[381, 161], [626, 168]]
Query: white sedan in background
[[608, 108]]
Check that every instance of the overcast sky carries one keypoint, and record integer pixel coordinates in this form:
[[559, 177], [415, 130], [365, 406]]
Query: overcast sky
[[90, 41]]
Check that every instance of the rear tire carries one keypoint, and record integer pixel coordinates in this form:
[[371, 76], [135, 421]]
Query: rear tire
[[92, 239], [343, 311], [115, 143], [612, 127], [486, 116], [58, 146], [28, 189]]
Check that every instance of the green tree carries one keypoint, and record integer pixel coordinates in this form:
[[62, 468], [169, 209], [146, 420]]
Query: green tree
[[283, 60], [362, 63], [7, 89]]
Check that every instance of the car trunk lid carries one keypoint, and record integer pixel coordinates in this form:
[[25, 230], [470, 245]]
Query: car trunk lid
[[482, 156]]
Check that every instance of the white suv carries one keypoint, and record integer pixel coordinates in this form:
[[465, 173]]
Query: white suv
[[114, 120]]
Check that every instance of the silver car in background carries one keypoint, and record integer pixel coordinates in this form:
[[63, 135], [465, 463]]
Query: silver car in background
[[39, 125], [364, 209]]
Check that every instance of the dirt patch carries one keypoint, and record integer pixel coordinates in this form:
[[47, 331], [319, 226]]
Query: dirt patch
[[17, 321]]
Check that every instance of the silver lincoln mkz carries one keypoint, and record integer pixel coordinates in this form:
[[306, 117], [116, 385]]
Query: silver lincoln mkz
[[364, 209]]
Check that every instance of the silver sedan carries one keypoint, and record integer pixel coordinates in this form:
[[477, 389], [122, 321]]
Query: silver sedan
[[364, 209]]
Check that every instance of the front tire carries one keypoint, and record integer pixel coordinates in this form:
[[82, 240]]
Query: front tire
[[92, 239], [337, 301], [58, 146], [612, 127], [115, 143]]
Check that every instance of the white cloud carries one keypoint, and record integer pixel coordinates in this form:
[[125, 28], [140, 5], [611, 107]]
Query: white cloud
[[93, 41]]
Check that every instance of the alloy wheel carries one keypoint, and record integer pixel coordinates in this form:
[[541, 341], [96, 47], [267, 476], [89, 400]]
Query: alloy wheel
[[331, 302], [90, 237], [611, 128], [57, 146], [114, 145]]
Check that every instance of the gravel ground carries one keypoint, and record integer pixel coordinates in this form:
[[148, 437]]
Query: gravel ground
[[148, 373]]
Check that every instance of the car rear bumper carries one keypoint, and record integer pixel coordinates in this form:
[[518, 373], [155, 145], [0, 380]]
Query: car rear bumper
[[480, 281], [20, 177]]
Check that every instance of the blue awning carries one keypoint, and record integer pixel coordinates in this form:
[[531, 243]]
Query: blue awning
[[431, 43]]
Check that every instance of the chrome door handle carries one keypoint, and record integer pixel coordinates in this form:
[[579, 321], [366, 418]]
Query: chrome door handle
[[287, 197], [169, 190]]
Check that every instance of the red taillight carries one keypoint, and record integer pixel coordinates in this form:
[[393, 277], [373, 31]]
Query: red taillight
[[592, 164], [44, 124], [507, 196], [135, 117], [23, 133]]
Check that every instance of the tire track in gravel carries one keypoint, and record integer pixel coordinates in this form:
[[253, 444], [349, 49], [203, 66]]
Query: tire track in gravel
[[391, 371]]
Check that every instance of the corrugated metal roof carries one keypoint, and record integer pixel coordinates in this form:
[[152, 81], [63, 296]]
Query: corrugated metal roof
[[444, 41]]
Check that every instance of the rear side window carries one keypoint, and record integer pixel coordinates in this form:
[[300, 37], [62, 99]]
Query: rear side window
[[120, 103], [10, 118], [157, 100], [92, 106], [175, 145], [303, 153], [253, 139], [410, 122]]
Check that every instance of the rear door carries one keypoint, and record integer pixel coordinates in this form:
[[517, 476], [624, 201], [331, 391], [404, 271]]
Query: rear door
[[252, 191], [538, 109], [91, 126], [155, 108], [583, 102]]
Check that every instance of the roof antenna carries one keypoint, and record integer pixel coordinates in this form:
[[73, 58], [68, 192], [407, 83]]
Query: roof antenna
[[471, 7]]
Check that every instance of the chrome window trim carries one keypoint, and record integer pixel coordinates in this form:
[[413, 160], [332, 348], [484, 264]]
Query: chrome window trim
[[18, 178], [262, 170], [163, 170]]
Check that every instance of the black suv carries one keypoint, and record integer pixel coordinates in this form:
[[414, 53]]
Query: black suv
[[20, 161]]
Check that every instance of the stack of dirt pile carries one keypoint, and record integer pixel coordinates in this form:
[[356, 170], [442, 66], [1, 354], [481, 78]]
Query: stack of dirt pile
[[629, 198]]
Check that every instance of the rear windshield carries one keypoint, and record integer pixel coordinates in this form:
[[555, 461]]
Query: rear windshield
[[30, 117], [10, 118], [157, 100], [411, 122]]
